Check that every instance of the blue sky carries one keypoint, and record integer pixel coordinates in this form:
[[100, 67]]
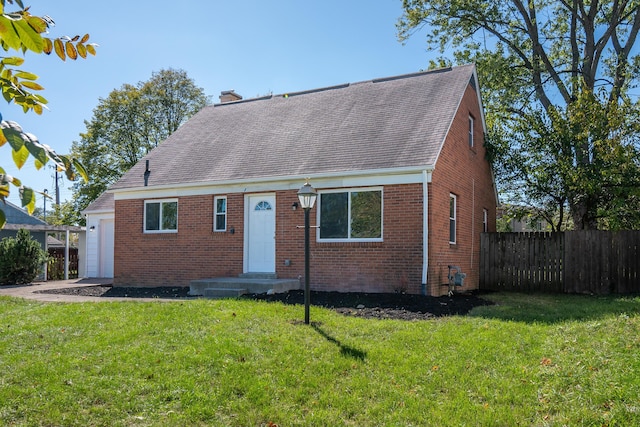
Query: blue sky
[[252, 47]]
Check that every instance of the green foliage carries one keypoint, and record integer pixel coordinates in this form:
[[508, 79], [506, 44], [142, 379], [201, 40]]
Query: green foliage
[[529, 218], [366, 214], [528, 360], [129, 123], [63, 214], [562, 126], [20, 31], [600, 160], [22, 259]]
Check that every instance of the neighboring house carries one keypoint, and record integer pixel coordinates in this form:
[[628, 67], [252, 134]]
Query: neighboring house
[[519, 219], [19, 218], [99, 218], [404, 189]]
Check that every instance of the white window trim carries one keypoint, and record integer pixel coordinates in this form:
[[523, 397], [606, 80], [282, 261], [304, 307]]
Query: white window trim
[[454, 218], [216, 213], [471, 126], [144, 219], [351, 239]]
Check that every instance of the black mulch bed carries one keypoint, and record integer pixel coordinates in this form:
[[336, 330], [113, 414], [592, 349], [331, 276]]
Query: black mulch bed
[[378, 306], [383, 306]]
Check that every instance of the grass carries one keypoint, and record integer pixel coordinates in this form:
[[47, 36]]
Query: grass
[[529, 360]]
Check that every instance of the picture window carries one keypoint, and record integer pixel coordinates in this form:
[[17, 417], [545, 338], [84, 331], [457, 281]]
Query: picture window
[[161, 216], [352, 215]]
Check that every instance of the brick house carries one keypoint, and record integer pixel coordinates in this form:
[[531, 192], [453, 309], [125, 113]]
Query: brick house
[[404, 189]]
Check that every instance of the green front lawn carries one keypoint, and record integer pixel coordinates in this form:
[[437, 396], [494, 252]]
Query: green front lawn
[[528, 360]]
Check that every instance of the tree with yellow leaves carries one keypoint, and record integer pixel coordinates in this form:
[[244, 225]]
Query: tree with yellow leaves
[[21, 32]]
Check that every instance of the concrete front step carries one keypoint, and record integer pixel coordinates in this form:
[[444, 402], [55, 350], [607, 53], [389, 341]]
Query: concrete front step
[[258, 276], [244, 284]]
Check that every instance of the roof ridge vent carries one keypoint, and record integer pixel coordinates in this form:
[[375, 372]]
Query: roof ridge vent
[[243, 101], [322, 89], [405, 76]]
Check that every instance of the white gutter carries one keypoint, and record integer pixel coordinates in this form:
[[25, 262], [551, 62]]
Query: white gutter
[[287, 181], [425, 230]]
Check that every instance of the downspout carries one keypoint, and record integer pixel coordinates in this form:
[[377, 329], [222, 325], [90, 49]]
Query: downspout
[[425, 231]]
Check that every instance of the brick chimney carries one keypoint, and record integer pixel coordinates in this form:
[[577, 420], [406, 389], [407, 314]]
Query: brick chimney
[[229, 96]]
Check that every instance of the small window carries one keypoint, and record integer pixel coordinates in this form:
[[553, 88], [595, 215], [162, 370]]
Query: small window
[[263, 206], [351, 215], [453, 201], [161, 216], [485, 220], [471, 131], [220, 216]]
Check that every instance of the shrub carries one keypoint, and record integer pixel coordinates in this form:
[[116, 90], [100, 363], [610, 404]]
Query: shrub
[[21, 259]]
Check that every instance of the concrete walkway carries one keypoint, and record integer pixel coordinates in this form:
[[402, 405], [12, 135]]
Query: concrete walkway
[[31, 291]]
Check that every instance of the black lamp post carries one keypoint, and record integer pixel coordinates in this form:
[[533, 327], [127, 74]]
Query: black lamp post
[[307, 196]]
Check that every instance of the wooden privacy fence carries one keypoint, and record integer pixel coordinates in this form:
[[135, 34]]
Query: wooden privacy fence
[[55, 267], [596, 262]]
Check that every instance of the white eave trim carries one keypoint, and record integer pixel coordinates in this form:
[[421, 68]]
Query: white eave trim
[[97, 212], [404, 175]]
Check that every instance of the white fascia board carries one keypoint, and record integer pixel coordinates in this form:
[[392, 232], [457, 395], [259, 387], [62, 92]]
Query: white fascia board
[[101, 215], [97, 212], [479, 96], [405, 175]]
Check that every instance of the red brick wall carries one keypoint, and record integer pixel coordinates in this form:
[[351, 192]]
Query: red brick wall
[[465, 172], [166, 259], [197, 252], [389, 266]]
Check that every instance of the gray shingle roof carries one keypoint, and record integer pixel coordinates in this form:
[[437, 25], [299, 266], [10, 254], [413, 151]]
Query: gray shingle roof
[[379, 124], [104, 203], [17, 215]]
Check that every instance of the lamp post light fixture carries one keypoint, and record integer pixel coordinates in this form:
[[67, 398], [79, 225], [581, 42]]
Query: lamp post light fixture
[[307, 196]]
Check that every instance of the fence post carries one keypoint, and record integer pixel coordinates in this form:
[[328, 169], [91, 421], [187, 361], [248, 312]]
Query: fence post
[[66, 256]]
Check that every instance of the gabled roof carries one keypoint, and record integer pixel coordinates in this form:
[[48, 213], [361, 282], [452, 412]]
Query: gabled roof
[[382, 124], [16, 215], [104, 203], [52, 242]]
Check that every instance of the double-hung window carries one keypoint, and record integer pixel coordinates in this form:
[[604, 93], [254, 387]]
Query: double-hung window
[[161, 216], [453, 201], [471, 131], [220, 215], [351, 215]]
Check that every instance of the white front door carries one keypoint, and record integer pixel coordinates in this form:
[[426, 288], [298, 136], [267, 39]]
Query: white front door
[[260, 243]]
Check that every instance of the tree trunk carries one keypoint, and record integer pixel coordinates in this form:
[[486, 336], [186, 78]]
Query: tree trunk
[[584, 214]]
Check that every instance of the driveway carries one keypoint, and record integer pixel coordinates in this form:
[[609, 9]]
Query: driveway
[[31, 291]]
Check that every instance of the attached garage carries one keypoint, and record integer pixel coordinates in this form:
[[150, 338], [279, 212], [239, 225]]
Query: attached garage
[[100, 237]]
